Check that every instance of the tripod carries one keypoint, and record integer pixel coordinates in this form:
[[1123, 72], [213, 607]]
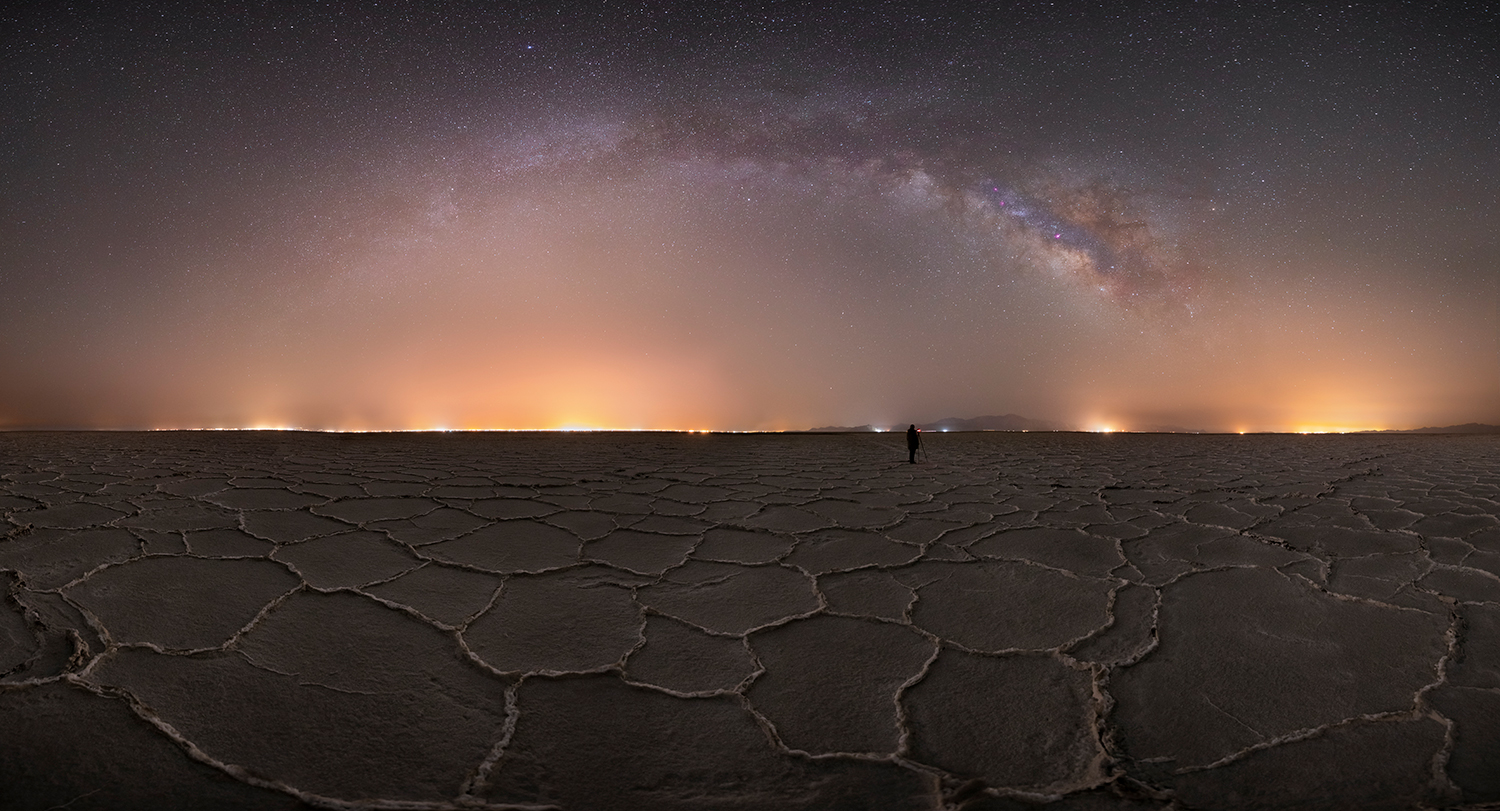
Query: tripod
[[917, 451]]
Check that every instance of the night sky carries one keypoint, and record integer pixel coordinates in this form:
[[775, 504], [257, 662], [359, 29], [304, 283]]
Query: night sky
[[1214, 215]]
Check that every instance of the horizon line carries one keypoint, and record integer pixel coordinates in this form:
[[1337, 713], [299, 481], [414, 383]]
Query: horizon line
[[828, 430]]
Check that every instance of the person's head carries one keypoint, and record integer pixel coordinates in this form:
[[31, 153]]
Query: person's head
[[912, 428]]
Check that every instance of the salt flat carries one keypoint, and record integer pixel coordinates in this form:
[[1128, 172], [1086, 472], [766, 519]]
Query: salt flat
[[667, 621]]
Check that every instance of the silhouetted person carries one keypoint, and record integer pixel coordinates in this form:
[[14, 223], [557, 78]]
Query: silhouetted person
[[913, 441]]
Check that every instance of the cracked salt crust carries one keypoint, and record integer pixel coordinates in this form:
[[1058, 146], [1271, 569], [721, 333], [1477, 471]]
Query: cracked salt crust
[[269, 621]]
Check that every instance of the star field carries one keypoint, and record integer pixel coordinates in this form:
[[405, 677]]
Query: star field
[[761, 216]]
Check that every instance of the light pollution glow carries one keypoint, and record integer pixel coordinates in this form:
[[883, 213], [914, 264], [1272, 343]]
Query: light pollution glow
[[619, 308], [532, 236]]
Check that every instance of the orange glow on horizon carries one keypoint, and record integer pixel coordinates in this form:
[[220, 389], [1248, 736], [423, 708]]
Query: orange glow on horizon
[[573, 426], [468, 429], [1332, 429]]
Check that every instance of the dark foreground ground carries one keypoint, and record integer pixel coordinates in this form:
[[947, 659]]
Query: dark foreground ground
[[236, 620]]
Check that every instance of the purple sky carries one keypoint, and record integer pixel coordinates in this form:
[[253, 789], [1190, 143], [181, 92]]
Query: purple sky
[[1226, 217]]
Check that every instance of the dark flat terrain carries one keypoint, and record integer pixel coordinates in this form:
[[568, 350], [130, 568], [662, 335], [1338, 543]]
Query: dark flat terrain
[[270, 620]]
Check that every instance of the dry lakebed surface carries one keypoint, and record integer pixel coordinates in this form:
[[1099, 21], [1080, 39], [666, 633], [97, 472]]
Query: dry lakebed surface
[[280, 620]]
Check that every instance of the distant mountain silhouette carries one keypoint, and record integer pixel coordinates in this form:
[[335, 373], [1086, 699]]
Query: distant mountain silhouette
[[1466, 428], [1014, 422], [1009, 422]]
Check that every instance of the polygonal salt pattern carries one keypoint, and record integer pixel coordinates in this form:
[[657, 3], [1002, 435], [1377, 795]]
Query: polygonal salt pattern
[[661, 621]]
